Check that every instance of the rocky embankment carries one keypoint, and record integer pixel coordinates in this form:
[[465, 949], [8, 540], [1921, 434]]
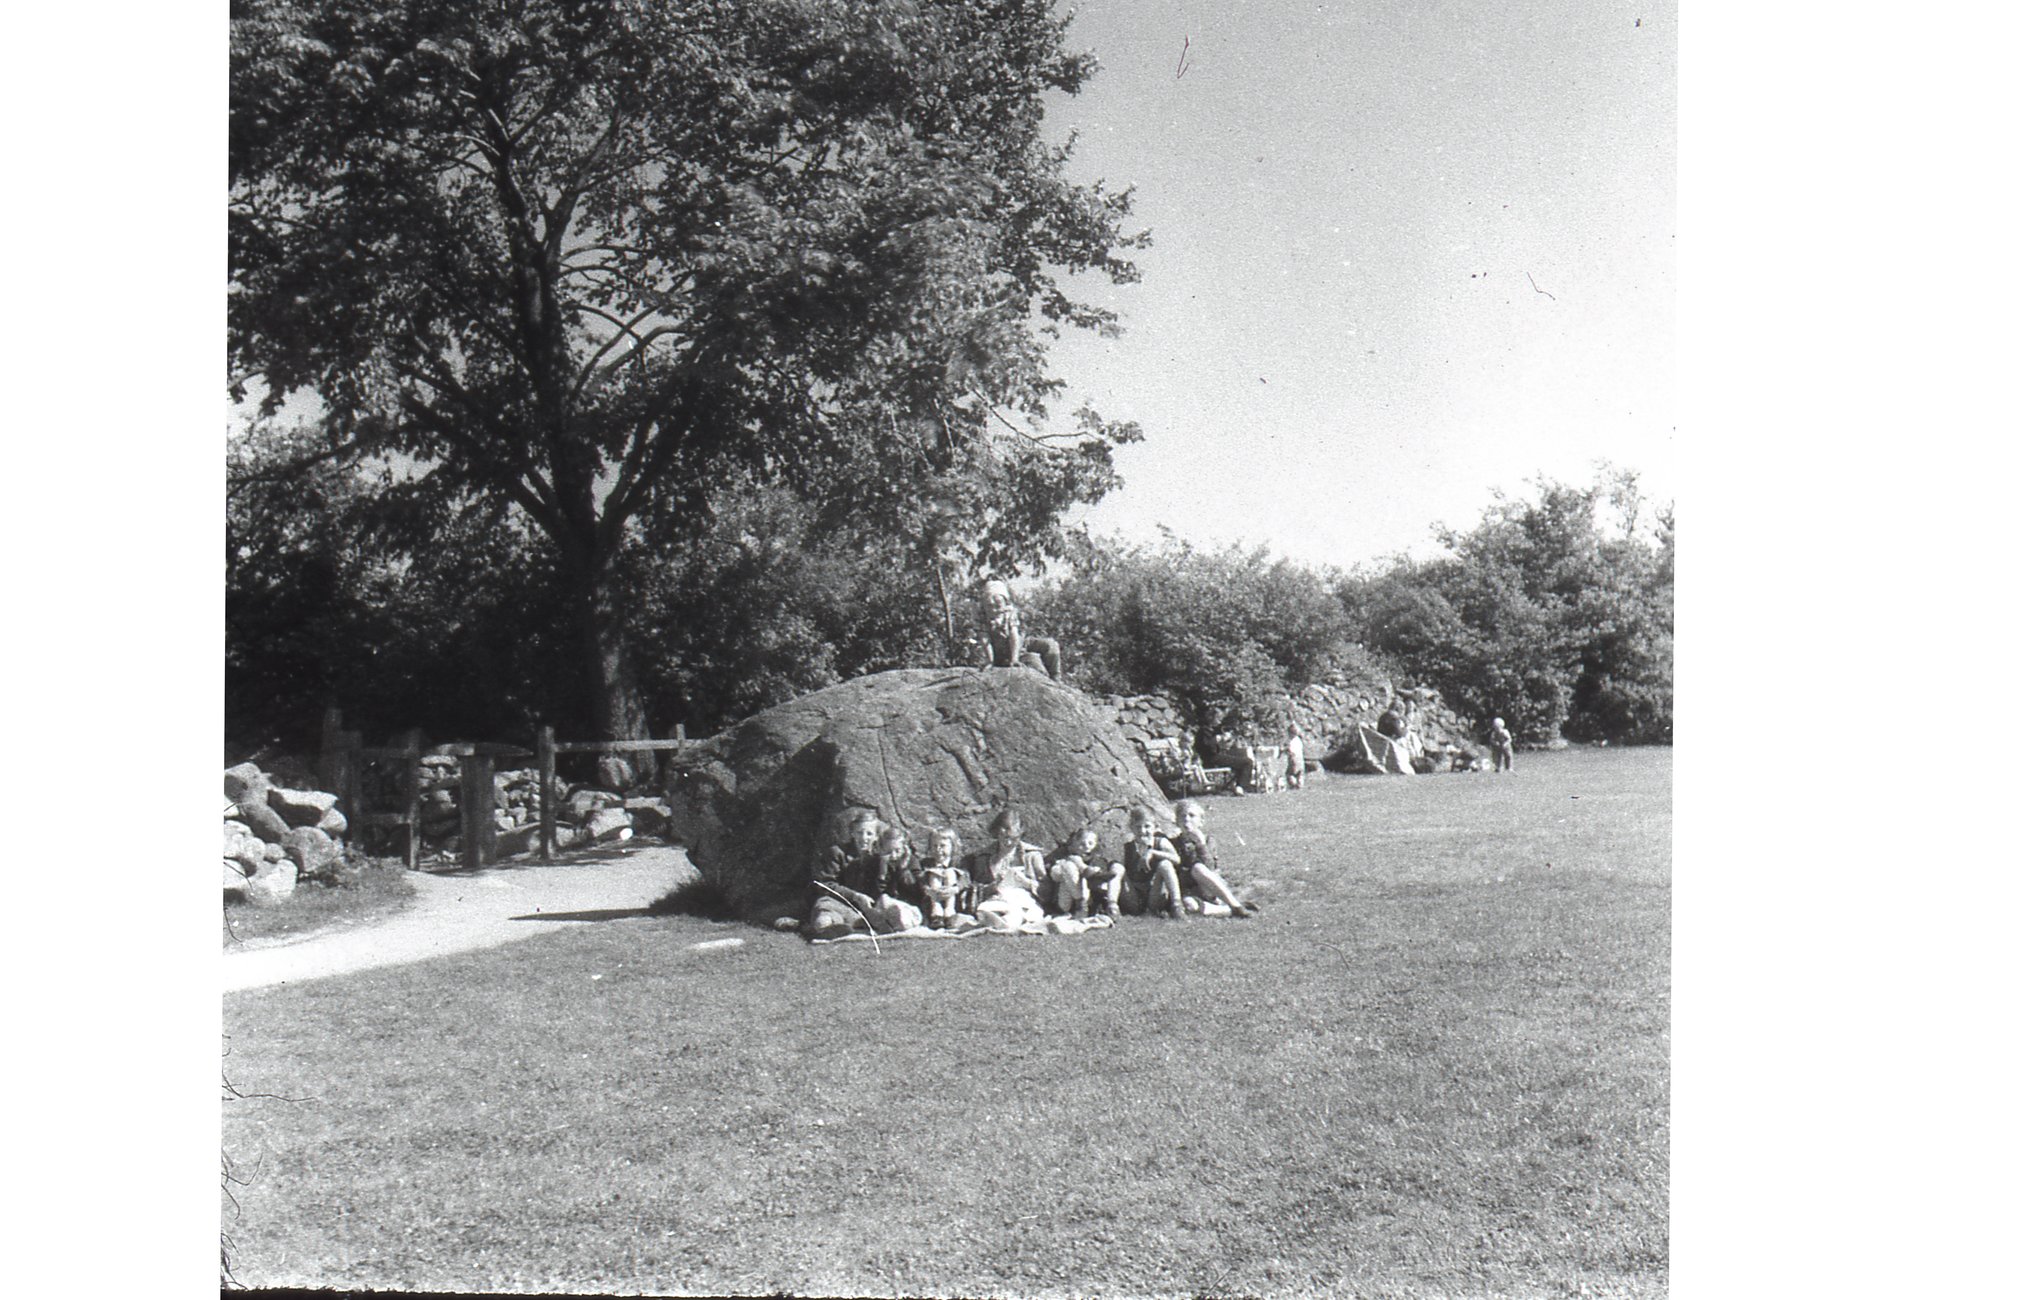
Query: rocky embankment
[[277, 836]]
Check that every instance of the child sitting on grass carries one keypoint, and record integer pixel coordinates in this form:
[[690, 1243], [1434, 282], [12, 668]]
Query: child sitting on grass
[[1082, 881], [902, 899], [847, 886], [1201, 862], [1149, 863], [942, 881], [1006, 876]]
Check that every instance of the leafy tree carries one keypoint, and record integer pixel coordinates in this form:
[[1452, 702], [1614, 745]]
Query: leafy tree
[[1220, 632], [583, 264], [1554, 613], [768, 604], [327, 602]]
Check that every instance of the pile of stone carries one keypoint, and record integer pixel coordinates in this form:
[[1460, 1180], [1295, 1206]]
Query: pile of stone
[[1147, 717], [587, 814], [1148, 721], [276, 836], [1343, 716], [1330, 714]]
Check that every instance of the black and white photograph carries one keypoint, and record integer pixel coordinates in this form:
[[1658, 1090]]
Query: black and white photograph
[[948, 648]]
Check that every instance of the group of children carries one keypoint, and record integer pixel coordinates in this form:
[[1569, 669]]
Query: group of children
[[875, 881]]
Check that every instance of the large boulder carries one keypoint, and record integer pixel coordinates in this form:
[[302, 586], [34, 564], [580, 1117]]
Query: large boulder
[[648, 813], [271, 886], [586, 802], [300, 807], [266, 823], [313, 852], [243, 847], [245, 784], [607, 823], [923, 748], [614, 772]]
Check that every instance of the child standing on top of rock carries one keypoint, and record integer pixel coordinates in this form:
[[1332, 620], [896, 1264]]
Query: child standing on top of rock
[[1007, 646], [1149, 863], [1201, 860]]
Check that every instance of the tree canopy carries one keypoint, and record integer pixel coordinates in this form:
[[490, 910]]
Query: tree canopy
[[586, 263], [1556, 613]]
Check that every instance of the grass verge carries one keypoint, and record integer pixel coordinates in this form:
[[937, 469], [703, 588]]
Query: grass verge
[[372, 894], [1437, 1066]]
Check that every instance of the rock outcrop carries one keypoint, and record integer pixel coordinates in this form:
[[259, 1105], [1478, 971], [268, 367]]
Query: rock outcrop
[[923, 748]]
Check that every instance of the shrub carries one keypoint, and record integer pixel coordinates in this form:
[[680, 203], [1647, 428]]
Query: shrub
[[1219, 632]]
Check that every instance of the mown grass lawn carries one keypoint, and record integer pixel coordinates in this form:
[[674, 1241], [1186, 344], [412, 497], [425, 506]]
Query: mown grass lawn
[[372, 895], [1438, 1065]]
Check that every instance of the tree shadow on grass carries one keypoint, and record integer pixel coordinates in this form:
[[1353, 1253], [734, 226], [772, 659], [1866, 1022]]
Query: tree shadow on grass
[[577, 857], [594, 914], [696, 896]]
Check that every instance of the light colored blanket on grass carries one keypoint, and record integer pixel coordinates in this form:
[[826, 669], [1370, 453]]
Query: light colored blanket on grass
[[1050, 925]]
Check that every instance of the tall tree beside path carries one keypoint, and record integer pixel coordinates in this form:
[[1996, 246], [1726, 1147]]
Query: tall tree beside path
[[592, 259]]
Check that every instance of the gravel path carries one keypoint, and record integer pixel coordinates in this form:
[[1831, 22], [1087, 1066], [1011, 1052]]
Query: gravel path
[[462, 912]]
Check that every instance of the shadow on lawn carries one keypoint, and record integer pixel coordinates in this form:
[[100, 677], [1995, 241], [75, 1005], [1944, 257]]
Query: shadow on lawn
[[596, 914], [696, 896], [581, 857]]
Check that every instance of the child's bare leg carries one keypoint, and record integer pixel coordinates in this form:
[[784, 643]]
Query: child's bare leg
[[1168, 894], [1071, 887], [1214, 886]]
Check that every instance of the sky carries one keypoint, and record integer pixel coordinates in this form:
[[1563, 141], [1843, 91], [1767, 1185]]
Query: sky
[[1405, 253]]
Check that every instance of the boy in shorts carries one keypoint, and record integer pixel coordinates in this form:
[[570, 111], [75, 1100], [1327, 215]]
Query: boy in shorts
[[1201, 861], [1149, 863], [1082, 881]]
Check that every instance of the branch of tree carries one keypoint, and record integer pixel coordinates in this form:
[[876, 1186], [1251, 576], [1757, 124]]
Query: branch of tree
[[561, 216], [521, 480], [1048, 441], [650, 452], [293, 469]]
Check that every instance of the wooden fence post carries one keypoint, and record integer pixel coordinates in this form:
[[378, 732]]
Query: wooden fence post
[[342, 764], [330, 769], [410, 789], [478, 830], [545, 746]]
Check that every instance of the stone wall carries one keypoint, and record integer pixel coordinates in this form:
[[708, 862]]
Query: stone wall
[[1329, 713], [583, 814]]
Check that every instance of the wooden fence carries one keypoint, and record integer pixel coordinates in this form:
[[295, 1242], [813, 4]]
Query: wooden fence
[[345, 756], [549, 749]]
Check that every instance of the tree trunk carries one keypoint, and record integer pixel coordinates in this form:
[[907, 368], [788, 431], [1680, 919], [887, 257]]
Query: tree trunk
[[619, 706], [953, 655]]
